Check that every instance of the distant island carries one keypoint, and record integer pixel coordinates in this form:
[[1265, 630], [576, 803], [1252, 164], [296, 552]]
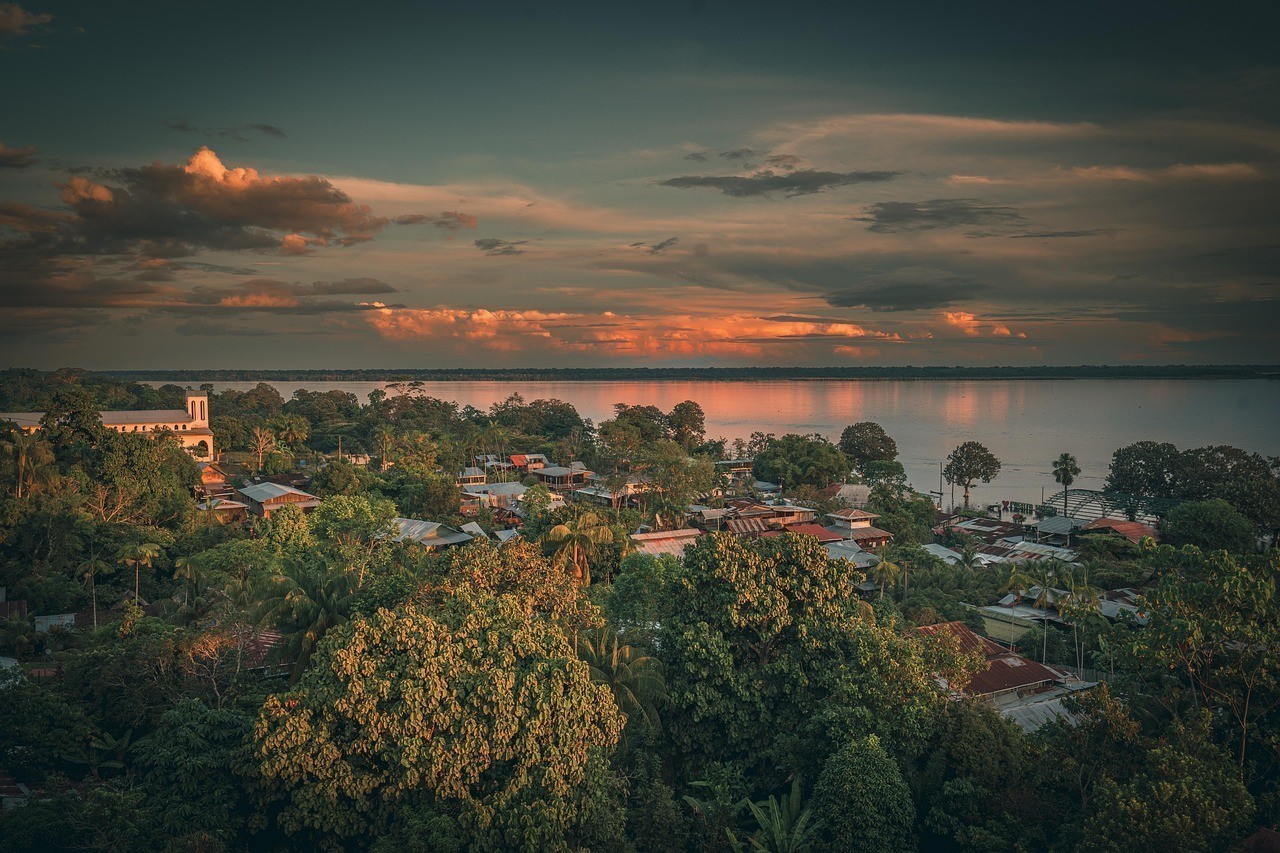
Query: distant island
[[570, 374]]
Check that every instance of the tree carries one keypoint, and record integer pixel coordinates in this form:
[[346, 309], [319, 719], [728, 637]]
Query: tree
[[886, 573], [1143, 468], [261, 444], [89, 569], [795, 460], [305, 600], [138, 556], [1065, 469], [968, 463], [1214, 620], [1211, 525], [688, 424], [769, 658], [578, 540], [867, 442], [293, 430], [354, 527], [30, 460], [337, 478], [634, 678], [863, 801], [469, 704]]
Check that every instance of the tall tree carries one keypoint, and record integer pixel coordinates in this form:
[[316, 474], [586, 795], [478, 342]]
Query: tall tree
[[468, 703], [30, 460], [305, 600], [1065, 470], [688, 424], [138, 556], [262, 443], [867, 442], [969, 463]]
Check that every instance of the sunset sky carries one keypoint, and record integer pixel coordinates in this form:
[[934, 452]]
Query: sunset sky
[[287, 185]]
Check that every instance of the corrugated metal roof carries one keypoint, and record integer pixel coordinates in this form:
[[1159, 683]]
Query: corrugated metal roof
[[673, 542], [747, 526], [263, 492]]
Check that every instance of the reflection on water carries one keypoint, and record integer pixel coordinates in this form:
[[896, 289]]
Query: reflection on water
[[1026, 423]]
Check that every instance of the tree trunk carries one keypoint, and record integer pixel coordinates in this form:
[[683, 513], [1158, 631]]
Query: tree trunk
[[93, 593], [966, 495]]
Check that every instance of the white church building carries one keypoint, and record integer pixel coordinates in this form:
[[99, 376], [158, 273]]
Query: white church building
[[190, 425]]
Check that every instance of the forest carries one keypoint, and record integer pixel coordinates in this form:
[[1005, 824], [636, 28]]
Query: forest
[[309, 681]]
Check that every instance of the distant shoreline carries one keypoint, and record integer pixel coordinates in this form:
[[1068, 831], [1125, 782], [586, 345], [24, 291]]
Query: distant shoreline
[[684, 374]]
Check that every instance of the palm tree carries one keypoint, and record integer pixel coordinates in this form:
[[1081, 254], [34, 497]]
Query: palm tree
[[293, 430], [139, 556], [783, 827], [305, 600], [1082, 606], [634, 678], [1065, 469], [262, 443], [579, 540], [886, 573], [1044, 576], [89, 569], [31, 459], [1018, 582]]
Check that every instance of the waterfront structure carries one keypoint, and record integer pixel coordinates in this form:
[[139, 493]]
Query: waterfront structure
[[189, 425]]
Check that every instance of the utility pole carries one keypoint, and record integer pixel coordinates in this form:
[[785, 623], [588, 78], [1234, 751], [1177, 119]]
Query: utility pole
[[339, 448]]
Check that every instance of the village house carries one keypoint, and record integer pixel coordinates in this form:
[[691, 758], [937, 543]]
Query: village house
[[560, 479], [431, 535], [1134, 531], [855, 524], [491, 495], [470, 476], [527, 463], [189, 425], [263, 499], [672, 542]]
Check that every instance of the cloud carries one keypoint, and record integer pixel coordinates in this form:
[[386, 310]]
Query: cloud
[[786, 162], [696, 156], [235, 132], [970, 325], [739, 154], [615, 335], [795, 183], [450, 220], [906, 296], [17, 21], [1043, 235], [17, 158], [658, 248], [169, 211], [894, 216], [494, 246]]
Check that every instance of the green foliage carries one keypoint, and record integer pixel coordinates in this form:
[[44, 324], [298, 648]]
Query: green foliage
[[337, 478], [770, 658], [863, 802], [867, 442], [969, 463], [1211, 525], [796, 460], [471, 704]]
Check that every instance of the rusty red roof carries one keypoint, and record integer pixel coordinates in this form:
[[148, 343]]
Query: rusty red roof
[[1134, 531]]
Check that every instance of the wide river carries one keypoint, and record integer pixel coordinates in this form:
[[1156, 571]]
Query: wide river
[[1025, 423]]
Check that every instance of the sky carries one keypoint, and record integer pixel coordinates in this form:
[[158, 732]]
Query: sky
[[325, 185]]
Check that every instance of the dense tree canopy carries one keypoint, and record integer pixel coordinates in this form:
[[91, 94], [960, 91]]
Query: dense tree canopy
[[796, 460], [865, 443]]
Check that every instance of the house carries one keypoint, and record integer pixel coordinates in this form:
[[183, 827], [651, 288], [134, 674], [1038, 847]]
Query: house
[[560, 479], [789, 513], [225, 510], [822, 534], [470, 476], [856, 524], [212, 478], [600, 492], [265, 498], [1055, 529], [738, 470], [1134, 531], [190, 425], [490, 495], [527, 463], [748, 528], [989, 530], [673, 542], [431, 535], [855, 496], [490, 463], [1026, 692], [707, 518]]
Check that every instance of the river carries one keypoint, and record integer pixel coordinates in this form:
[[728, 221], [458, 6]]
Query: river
[[1025, 423]]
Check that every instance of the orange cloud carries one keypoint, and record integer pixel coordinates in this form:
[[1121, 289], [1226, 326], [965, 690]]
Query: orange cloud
[[970, 325]]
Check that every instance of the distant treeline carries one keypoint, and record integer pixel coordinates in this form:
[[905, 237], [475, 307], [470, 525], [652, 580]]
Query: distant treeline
[[568, 374]]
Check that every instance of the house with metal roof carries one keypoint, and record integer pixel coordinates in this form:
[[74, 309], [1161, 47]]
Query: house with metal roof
[[1055, 529], [560, 479], [855, 524], [431, 535], [672, 542], [263, 499], [470, 476]]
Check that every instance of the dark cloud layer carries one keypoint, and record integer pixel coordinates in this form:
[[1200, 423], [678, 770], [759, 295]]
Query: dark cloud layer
[[1044, 235], [892, 216], [450, 220], [659, 248], [17, 21], [906, 296], [17, 158], [802, 182], [235, 132], [494, 246]]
